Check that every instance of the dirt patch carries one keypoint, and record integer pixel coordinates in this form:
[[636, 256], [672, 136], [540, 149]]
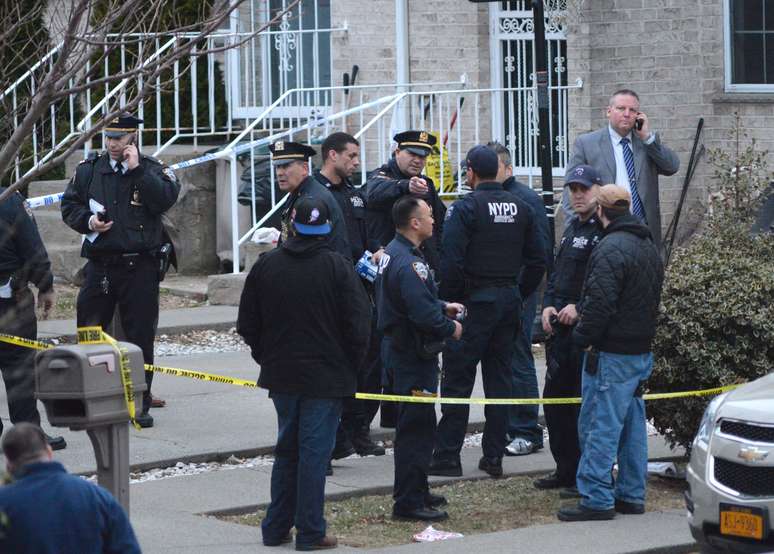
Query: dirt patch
[[66, 296], [475, 507]]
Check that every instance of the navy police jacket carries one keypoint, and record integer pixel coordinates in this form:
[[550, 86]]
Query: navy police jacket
[[491, 240], [535, 201], [407, 303], [385, 185], [48, 510], [565, 282]]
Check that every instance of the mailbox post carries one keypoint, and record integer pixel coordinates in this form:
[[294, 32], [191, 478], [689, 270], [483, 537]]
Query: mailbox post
[[81, 388]]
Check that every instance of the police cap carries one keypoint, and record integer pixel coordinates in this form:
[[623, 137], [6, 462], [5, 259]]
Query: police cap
[[483, 161], [283, 152], [123, 124], [310, 216], [584, 175], [417, 142]]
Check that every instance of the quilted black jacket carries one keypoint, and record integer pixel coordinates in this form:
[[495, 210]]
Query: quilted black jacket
[[622, 291]]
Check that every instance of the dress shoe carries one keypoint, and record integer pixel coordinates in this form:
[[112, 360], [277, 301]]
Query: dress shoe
[[445, 468], [342, 449], [56, 443], [419, 514], [582, 513], [144, 420], [364, 446], [284, 540], [435, 500], [493, 466], [323, 544], [552, 481], [157, 402], [630, 508], [569, 492]]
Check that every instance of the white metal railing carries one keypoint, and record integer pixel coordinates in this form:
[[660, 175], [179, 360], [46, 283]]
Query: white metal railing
[[76, 114]]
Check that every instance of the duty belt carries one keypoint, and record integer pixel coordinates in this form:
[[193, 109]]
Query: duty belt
[[475, 283], [120, 259]]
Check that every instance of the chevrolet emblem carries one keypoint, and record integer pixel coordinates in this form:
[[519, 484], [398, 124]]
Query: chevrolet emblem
[[752, 454]]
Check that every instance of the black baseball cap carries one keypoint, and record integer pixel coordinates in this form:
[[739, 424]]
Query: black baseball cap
[[417, 142], [283, 152], [310, 216], [584, 175], [483, 161], [123, 124]]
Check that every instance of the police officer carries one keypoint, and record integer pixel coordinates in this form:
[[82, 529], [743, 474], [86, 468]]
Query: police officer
[[341, 157], [23, 260], [491, 239], [117, 200], [402, 175], [292, 167], [563, 358], [415, 323]]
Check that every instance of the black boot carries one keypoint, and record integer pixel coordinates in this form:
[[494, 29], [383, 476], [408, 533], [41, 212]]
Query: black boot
[[364, 446]]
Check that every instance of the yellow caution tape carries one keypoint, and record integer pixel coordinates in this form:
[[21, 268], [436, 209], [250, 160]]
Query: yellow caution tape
[[201, 376], [27, 343], [95, 335]]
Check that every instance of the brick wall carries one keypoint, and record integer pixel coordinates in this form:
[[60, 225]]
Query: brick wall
[[671, 53]]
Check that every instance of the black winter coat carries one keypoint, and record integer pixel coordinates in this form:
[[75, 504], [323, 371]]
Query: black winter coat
[[306, 318], [622, 290]]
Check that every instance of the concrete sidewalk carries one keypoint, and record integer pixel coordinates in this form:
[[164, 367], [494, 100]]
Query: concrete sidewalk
[[181, 320]]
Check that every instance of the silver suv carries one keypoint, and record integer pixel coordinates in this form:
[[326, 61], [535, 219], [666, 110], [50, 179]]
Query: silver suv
[[730, 496]]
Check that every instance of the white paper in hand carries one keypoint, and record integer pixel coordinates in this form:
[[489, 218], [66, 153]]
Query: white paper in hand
[[95, 208]]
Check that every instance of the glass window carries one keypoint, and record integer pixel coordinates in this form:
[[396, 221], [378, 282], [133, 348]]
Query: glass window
[[751, 30]]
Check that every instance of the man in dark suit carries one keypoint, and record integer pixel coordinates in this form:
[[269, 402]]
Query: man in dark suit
[[628, 153]]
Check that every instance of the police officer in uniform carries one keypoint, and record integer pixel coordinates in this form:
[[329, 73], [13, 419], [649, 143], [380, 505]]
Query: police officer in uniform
[[23, 260], [414, 323], [117, 200], [491, 239], [341, 157], [402, 175], [563, 357], [292, 167]]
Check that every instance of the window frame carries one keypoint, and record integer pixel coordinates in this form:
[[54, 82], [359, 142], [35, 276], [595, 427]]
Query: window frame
[[730, 86]]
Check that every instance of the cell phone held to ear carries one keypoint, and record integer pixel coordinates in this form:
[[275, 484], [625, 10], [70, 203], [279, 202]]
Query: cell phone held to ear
[[638, 123]]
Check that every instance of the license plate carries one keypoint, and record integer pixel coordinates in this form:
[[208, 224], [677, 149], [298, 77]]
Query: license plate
[[741, 521]]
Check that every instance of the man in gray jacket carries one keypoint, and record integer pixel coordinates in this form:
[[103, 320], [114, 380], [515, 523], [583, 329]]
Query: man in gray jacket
[[630, 154]]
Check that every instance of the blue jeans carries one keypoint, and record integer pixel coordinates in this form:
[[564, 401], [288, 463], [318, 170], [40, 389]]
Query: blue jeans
[[307, 432], [612, 425], [523, 419]]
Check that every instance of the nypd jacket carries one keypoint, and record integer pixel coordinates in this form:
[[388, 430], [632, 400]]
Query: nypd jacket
[[535, 201], [22, 253], [491, 239], [622, 290], [352, 202], [566, 280], [384, 186], [312, 188], [46, 511], [306, 318], [134, 201]]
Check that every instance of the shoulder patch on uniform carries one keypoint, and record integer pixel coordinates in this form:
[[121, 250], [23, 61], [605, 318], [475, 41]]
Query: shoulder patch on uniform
[[420, 269], [169, 173], [449, 211], [357, 202]]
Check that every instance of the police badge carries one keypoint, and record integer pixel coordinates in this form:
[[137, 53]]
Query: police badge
[[136, 198], [420, 269]]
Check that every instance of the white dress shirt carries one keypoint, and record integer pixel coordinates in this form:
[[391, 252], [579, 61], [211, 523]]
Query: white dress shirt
[[621, 175]]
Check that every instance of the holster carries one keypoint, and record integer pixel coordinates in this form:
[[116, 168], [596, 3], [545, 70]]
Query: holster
[[427, 347], [164, 257]]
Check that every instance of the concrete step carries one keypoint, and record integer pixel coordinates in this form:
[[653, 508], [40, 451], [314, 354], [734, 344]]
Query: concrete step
[[65, 259], [53, 230]]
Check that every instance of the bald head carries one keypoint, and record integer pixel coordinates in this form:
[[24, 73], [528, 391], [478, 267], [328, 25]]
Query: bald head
[[25, 443]]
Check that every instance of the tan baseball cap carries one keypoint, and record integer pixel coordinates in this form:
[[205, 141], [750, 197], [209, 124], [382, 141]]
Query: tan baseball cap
[[614, 197]]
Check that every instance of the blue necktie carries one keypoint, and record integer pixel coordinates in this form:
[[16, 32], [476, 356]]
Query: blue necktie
[[637, 208]]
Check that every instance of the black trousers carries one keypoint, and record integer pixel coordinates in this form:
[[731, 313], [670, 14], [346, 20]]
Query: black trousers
[[487, 337], [563, 380], [414, 438], [358, 414], [17, 317], [133, 286]]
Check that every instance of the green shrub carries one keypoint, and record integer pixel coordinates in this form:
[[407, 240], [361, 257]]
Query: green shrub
[[716, 324]]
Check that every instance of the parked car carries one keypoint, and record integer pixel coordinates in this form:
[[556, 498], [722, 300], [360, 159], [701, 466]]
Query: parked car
[[730, 496]]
